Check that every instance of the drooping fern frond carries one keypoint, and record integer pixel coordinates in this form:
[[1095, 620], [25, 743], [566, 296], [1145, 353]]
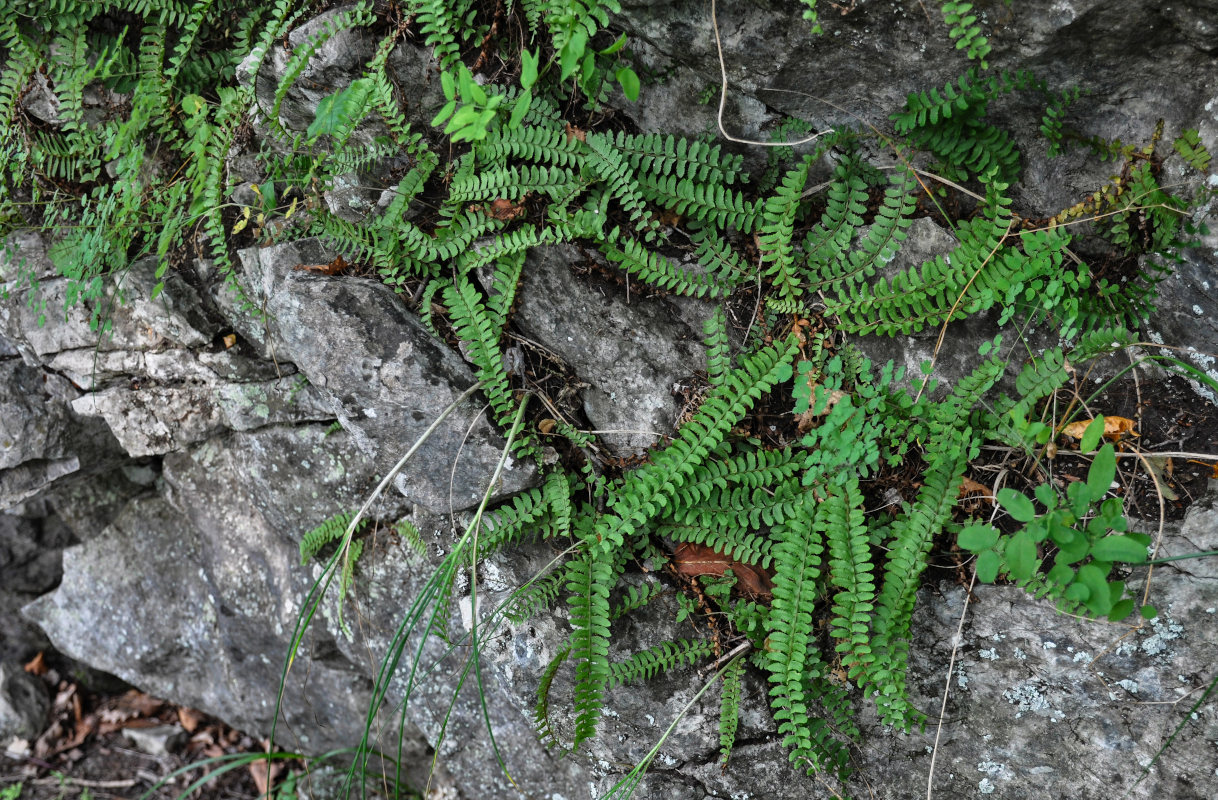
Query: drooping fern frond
[[541, 144], [729, 709], [850, 570], [718, 348], [657, 270], [591, 577], [792, 659], [712, 203], [663, 657], [648, 489]]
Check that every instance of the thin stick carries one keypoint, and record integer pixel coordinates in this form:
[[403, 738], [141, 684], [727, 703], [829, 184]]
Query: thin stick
[[947, 683], [723, 98]]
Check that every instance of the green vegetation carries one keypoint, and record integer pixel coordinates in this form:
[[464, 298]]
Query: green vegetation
[[514, 174]]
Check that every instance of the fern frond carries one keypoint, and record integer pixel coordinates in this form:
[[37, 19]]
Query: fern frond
[[658, 271], [591, 577], [827, 243], [514, 183], [774, 237], [729, 709], [660, 155], [477, 329], [330, 530], [541, 711], [718, 348], [883, 238], [543, 145], [965, 31], [648, 489], [718, 257], [663, 657], [792, 660], [912, 535], [851, 571], [712, 203]]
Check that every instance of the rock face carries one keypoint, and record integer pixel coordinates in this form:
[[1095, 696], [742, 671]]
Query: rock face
[[181, 458]]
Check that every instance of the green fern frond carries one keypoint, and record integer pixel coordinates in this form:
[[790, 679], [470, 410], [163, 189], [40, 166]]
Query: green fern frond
[[543, 145], [851, 571], [514, 183], [734, 542], [541, 711], [590, 579], [774, 237], [658, 155], [718, 258], [330, 530], [729, 709], [718, 347], [712, 203], [792, 660], [410, 534], [658, 271], [965, 31], [663, 657], [947, 456], [827, 243], [648, 489], [540, 594], [883, 238], [477, 329]]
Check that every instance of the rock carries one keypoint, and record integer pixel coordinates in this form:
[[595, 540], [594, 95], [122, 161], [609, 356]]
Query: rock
[[386, 377], [631, 351], [24, 703], [159, 740]]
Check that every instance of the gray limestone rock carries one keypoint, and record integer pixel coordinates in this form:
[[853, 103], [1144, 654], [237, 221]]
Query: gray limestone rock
[[386, 377], [24, 703], [631, 351]]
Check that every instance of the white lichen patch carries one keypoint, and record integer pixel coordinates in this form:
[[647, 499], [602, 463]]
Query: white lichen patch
[[1026, 697]]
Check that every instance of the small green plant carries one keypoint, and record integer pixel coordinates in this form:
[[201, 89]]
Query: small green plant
[[12, 792], [1087, 530]]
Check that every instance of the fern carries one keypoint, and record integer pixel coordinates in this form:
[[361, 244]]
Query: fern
[[965, 31], [478, 330], [657, 270], [729, 709], [589, 583], [791, 659], [851, 571], [646, 490], [718, 348], [774, 238], [826, 244], [663, 657]]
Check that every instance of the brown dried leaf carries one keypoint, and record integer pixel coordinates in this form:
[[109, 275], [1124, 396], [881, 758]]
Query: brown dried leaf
[[189, 719], [1114, 428], [36, 665], [969, 486], [692, 560]]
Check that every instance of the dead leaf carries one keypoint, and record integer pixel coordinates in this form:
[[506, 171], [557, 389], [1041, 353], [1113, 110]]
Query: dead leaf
[[36, 665], [547, 425], [189, 719], [501, 209], [230, 340], [692, 560], [333, 268], [574, 133], [263, 773], [969, 486], [1114, 428]]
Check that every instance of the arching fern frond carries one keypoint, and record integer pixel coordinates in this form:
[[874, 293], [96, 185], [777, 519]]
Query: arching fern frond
[[663, 657]]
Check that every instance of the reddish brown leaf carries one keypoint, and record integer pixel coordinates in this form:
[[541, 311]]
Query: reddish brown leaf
[[692, 560], [189, 719], [36, 665], [333, 268]]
